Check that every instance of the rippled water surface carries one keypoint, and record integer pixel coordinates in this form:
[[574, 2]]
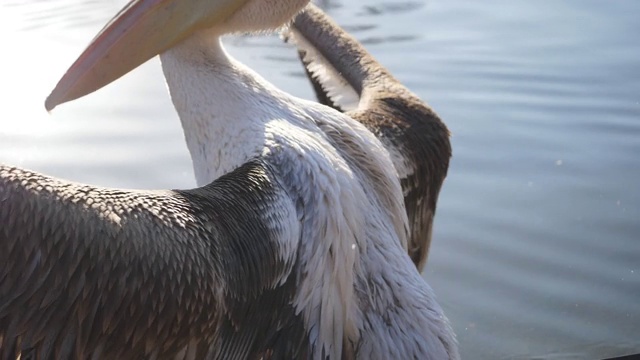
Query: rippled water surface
[[537, 241]]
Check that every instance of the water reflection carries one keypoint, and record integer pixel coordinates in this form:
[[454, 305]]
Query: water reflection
[[386, 39], [40, 14], [389, 8], [535, 246]]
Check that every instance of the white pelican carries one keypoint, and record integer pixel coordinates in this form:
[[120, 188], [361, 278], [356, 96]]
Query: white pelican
[[418, 141], [294, 248]]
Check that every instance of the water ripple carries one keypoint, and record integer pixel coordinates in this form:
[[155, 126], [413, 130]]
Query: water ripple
[[535, 249]]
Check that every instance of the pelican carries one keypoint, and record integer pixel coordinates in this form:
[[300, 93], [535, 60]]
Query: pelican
[[293, 246], [339, 67]]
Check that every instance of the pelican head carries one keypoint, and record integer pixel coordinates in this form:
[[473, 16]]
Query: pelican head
[[146, 28]]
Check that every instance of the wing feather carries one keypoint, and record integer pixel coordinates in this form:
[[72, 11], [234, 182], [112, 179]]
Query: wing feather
[[92, 272]]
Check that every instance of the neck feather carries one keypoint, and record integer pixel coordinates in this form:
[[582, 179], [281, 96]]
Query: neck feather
[[223, 106]]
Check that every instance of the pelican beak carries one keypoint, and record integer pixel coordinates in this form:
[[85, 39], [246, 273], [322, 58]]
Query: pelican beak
[[140, 31]]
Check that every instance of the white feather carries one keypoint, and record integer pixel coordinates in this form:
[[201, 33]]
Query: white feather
[[336, 86], [348, 193]]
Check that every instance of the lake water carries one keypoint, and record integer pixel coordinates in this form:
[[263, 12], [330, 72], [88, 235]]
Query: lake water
[[536, 248]]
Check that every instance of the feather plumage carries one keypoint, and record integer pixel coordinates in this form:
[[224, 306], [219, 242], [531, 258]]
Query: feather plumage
[[340, 69]]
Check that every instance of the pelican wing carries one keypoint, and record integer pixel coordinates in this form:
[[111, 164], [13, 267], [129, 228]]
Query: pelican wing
[[338, 67], [203, 273]]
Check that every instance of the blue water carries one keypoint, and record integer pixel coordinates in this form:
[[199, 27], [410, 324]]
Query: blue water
[[536, 248]]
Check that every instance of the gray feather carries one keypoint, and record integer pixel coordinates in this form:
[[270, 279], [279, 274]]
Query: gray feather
[[91, 272], [405, 124]]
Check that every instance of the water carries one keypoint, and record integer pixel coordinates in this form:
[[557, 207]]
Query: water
[[536, 248]]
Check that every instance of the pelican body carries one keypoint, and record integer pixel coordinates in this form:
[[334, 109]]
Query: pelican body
[[339, 68], [293, 246]]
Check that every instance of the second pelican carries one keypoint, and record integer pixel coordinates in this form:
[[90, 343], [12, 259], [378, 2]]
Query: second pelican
[[339, 67]]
